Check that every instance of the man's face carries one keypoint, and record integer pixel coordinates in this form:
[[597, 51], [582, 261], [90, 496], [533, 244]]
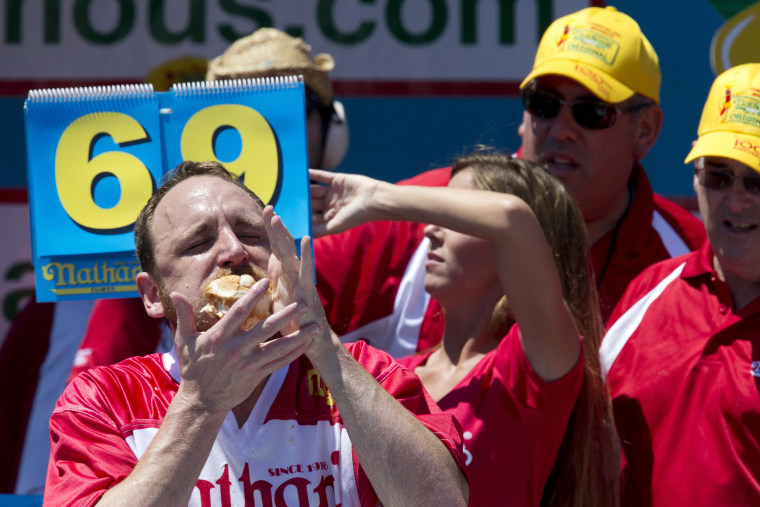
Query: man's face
[[594, 164], [204, 228], [732, 220]]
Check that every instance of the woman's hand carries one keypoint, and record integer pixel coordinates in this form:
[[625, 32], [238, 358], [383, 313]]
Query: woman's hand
[[340, 201]]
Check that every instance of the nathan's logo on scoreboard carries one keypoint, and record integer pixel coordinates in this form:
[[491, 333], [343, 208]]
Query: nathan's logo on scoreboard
[[97, 279]]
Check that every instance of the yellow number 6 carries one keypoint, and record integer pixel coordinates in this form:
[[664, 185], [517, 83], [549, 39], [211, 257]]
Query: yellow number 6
[[258, 161], [75, 172]]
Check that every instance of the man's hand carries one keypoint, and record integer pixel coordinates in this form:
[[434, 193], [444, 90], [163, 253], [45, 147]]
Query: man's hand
[[292, 278], [221, 367], [342, 203]]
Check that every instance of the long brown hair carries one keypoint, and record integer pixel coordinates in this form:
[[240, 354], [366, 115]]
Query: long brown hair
[[585, 472]]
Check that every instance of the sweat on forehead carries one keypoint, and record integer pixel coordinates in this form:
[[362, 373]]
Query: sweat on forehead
[[143, 241], [203, 191]]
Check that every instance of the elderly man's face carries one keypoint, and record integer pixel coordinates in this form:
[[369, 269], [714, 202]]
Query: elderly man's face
[[204, 228], [594, 164], [732, 219]]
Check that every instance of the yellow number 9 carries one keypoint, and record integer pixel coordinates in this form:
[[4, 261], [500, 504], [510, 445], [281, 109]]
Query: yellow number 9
[[258, 161], [75, 172]]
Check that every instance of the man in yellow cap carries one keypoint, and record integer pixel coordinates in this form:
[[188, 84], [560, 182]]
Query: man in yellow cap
[[591, 114], [683, 354]]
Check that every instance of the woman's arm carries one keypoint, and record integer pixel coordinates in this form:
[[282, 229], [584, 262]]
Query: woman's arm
[[525, 263]]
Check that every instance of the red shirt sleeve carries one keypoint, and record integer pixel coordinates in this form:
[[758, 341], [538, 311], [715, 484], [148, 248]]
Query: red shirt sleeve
[[88, 452]]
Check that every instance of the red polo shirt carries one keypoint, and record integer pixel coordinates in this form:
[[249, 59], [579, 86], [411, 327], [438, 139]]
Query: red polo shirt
[[684, 373]]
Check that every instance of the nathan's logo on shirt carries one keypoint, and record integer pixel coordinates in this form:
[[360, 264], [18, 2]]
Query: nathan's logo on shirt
[[296, 490], [298, 469], [317, 387]]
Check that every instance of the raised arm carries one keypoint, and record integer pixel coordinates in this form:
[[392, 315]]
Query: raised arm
[[525, 263], [405, 462]]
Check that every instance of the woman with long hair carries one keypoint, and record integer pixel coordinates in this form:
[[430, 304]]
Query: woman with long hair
[[518, 364]]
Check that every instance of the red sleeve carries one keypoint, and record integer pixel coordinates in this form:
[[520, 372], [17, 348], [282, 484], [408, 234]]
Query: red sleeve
[[528, 388], [88, 453], [117, 329], [407, 388]]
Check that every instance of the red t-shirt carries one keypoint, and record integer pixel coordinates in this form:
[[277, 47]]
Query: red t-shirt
[[513, 422], [292, 449]]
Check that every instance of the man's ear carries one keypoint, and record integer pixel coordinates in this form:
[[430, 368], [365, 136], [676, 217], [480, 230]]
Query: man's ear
[[147, 286], [648, 129]]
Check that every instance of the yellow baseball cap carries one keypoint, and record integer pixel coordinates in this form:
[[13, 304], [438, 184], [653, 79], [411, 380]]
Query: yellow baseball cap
[[730, 124], [602, 49], [184, 69]]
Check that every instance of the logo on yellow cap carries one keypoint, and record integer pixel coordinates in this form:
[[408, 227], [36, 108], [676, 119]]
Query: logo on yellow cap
[[563, 37], [726, 102], [604, 42], [742, 109]]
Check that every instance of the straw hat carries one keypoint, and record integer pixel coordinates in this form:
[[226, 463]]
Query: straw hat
[[270, 52]]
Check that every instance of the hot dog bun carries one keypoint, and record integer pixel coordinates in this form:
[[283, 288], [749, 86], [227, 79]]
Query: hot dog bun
[[222, 293]]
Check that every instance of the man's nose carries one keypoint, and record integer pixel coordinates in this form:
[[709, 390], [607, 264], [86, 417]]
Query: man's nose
[[563, 126], [232, 252]]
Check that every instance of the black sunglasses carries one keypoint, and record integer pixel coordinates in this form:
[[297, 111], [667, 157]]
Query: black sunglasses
[[590, 114], [721, 180]]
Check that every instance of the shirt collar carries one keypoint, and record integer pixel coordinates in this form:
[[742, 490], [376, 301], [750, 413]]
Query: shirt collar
[[171, 364], [700, 264]]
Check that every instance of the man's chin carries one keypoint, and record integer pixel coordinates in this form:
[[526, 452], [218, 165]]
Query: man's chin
[[564, 172]]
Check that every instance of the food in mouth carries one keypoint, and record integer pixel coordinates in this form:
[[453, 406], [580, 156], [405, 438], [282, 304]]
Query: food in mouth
[[222, 293]]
